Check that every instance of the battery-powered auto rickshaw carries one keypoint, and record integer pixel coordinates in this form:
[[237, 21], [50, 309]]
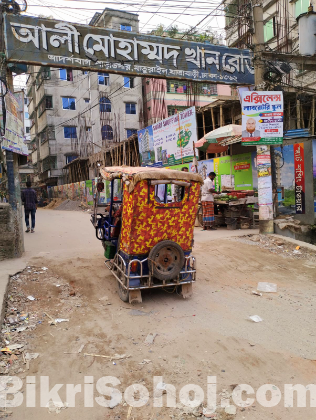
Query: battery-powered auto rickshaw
[[147, 228]]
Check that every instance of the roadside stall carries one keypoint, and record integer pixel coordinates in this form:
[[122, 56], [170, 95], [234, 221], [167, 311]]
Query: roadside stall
[[236, 178]]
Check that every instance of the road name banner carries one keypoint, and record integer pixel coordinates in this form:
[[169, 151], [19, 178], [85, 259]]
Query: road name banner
[[262, 118], [54, 43], [169, 141]]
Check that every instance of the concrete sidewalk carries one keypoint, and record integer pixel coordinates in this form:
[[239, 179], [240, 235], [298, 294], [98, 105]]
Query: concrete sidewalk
[[57, 233], [8, 268]]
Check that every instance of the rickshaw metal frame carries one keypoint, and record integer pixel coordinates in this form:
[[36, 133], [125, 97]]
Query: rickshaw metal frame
[[118, 265], [121, 268]]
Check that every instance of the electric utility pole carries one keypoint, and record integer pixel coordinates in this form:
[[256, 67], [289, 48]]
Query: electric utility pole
[[12, 192], [266, 224]]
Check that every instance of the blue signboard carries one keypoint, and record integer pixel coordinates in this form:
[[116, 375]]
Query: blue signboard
[[55, 43]]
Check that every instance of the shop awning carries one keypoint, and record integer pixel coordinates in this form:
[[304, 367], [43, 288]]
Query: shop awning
[[220, 133], [216, 141]]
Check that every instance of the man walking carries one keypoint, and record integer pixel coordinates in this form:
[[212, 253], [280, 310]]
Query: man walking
[[208, 188], [29, 200]]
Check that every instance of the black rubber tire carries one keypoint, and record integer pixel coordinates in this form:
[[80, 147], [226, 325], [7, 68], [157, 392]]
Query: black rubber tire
[[123, 293], [166, 260]]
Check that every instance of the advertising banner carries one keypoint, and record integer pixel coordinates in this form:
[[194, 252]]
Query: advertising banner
[[82, 186], [2, 89], [265, 199], [232, 172], [262, 118], [89, 192], [169, 141], [314, 173], [299, 173], [13, 139]]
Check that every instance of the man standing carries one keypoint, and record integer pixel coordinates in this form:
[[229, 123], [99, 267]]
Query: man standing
[[29, 200], [208, 188]]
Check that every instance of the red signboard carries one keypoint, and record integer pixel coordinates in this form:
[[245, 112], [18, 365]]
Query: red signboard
[[242, 166], [299, 174]]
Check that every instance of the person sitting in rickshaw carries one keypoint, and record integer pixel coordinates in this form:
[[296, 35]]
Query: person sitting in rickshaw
[[116, 220]]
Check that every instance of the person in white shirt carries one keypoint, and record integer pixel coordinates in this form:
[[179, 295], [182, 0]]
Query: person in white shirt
[[208, 188]]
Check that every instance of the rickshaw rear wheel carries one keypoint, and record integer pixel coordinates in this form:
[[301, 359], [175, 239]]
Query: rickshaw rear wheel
[[166, 260], [123, 293]]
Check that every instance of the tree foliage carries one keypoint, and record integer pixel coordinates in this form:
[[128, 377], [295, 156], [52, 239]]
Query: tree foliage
[[189, 35]]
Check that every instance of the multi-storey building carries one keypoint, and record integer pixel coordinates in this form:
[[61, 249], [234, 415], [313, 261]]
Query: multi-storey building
[[75, 113], [280, 34], [163, 98], [27, 121]]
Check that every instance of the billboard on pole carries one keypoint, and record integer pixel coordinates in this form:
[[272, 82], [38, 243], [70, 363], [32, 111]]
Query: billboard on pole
[[169, 141], [262, 118], [13, 138]]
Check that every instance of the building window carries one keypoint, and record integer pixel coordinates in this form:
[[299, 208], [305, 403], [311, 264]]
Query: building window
[[32, 119], [105, 105], [130, 132], [87, 100], [70, 158], [43, 74], [88, 129], [45, 103], [129, 82], [49, 163], [176, 86], [130, 108], [172, 109], [301, 6], [69, 103], [26, 115], [104, 79], [107, 132], [70, 132], [270, 29], [47, 134], [25, 101], [207, 89], [27, 130], [66, 74], [231, 13], [126, 28]]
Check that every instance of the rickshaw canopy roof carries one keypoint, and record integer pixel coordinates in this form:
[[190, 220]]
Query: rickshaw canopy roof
[[139, 173]]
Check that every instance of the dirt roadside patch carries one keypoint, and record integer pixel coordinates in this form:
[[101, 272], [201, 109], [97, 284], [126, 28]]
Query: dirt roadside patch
[[208, 335]]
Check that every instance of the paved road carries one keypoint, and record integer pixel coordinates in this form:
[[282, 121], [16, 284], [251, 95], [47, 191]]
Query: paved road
[[71, 232]]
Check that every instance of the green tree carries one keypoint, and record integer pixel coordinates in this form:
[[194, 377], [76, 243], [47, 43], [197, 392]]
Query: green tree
[[190, 35], [173, 32]]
